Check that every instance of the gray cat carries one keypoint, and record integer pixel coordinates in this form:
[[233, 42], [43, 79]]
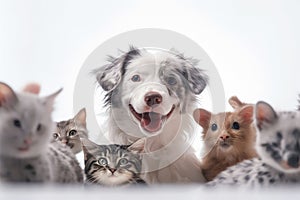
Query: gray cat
[[70, 131], [26, 154], [113, 164]]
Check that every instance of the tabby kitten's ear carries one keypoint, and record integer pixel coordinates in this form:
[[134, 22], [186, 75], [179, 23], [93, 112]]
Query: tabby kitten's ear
[[138, 146], [202, 117], [80, 117], [8, 97], [264, 114], [48, 101]]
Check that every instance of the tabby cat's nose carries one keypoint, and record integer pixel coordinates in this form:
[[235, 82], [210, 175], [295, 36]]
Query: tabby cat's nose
[[112, 170]]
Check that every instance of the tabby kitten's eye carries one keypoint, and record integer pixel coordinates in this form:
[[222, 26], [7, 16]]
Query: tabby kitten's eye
[[103, 161], [123, 161], [136, 78], [214, 127], [17, 123], [72, 132], [55, 136], [236, 126], [39, 127]]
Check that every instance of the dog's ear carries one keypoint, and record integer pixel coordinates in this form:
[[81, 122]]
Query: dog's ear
[[109, 76], [197, 80]]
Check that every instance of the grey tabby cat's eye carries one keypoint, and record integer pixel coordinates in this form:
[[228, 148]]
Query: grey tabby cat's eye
[[55, 136], [123, 161], [103, 161], [72, 133]]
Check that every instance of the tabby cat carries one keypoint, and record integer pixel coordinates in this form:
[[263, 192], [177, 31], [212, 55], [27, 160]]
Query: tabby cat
[[112, 165], [26, 154], [278, 145], [70, 131]]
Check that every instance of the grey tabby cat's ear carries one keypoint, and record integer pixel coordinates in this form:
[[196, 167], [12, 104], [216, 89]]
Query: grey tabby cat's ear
[[48, 101], [264, 115], [138, 146], [80, 117], [8, 97], [88, 145], [109, 76]]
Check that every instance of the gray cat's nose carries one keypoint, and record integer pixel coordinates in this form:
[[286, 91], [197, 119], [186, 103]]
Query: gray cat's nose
[[293, 160]]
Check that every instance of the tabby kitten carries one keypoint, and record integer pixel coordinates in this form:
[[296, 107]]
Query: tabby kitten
[[26, 154], [278, 145], [228, 139], [70, 131], [112, 165]]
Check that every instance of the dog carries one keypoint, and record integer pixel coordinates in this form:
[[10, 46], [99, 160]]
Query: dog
[[151, 94]]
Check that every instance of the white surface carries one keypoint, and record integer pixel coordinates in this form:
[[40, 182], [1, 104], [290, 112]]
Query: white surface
[[254, 44]]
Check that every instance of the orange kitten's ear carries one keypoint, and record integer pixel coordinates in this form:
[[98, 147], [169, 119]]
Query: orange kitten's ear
[[235, 102], [202, 117], [49, 100], [8, 97], [264, 114], [246, 113], [81, 116], [33, 88], [138, 146]]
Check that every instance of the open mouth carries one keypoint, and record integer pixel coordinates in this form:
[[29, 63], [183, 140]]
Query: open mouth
[[151, 121]]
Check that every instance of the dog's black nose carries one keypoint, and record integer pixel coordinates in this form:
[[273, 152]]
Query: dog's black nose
[[152, 99]]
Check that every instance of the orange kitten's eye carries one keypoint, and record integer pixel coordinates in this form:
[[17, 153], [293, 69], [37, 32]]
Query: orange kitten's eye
[[17, 123], [55, 136], [72, 132], [214, 127], [235, 126]]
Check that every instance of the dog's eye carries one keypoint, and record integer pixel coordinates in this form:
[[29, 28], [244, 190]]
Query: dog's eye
[[171, 80], [136, 78], [214, 127], [236, 126]]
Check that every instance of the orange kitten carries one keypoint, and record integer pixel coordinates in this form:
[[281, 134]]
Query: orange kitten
[[228, 138]]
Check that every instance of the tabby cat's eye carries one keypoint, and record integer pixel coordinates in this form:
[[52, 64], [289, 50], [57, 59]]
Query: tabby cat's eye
[[214, 127], [72, 132], [103, 161], [236, 126], [17, 123], [136, 78], [55, 136], [123, 161]]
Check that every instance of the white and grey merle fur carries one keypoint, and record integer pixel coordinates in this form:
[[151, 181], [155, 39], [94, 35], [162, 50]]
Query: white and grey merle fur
[[175, 81], [26, 154], [69, 132], [112, 164], [278, 145]]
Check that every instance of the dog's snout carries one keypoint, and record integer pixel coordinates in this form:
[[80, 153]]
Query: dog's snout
[[152, 99]]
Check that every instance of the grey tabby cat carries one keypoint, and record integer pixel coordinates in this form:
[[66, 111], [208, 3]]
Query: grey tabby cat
[[113, 164], [70, 131], [26, 154], [278, 145]]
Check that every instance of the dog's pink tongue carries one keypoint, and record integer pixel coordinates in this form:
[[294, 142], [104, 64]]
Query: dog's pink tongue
[[151, 121]]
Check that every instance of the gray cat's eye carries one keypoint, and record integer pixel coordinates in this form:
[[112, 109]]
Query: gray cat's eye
[[214, 127], [103, 161], [72, 132], [123, 161]]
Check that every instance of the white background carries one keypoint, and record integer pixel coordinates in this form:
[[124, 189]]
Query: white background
[[254, 44]]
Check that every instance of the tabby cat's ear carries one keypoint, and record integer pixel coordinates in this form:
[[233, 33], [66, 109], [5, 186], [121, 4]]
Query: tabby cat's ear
[[81, 116], [202, 117], [33, 88], [8, 97], [138, 146], [48, 101], [264, 114]]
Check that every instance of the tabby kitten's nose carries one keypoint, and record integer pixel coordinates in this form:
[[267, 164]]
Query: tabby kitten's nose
[[112, 170]]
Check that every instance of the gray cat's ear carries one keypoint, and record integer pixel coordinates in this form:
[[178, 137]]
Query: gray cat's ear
[[138, 146], [48, 101], [264, 115], [8, 97], [109, 76], [81, 116], [33, 88]]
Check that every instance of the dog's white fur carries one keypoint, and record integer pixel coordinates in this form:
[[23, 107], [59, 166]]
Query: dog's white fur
[[168, 156]]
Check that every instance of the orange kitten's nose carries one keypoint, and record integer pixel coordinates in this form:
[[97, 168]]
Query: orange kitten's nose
[[224, 136]]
